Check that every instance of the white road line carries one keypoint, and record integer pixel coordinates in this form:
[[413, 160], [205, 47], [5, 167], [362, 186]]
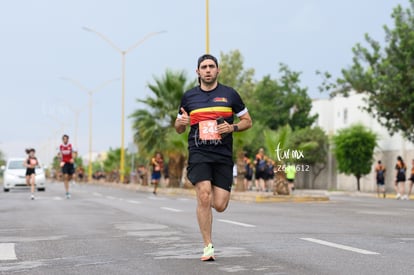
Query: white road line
[[133, 202], [7, 252], [97, 194], [57, 198], [110, 197], [156, 198], [171, 209], [237, 223], [340, 246]]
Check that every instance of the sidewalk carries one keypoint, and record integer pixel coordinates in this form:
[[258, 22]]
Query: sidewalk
[[248, 196], [364, 194]]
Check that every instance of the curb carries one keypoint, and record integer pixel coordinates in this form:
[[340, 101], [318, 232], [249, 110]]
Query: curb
[[366, 195]]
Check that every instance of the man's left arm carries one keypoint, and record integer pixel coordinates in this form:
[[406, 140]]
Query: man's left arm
[[244, 123]]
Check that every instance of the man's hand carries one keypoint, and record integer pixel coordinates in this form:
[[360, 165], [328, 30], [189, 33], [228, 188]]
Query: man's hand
[[224, 128], [182, 122]]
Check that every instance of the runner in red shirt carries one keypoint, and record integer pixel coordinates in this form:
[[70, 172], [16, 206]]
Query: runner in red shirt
[[66, 162]]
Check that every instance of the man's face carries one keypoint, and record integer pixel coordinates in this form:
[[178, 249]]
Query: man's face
[[65, 140], [208, 71]]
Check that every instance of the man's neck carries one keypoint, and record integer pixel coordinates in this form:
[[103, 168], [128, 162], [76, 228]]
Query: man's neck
[[208, 87]]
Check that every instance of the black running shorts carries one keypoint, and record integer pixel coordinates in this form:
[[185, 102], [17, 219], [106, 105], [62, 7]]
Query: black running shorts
[[68, 168], [219, 174], [30, 171]]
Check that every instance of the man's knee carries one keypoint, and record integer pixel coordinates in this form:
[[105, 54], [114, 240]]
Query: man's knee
[[204, 194], [220, 203], [221, 207]]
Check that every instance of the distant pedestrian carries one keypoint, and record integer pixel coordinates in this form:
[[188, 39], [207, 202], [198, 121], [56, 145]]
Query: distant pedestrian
[[67, 163], [260, 175], [270, 174], [400, 179], [248, 172], [380, 178], [80, 173], [157, 163], [142, 174], [234, 174], [290, 171], [30, 164], [411, 179]]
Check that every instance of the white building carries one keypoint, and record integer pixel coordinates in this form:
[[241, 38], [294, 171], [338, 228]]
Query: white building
[[341, 112]]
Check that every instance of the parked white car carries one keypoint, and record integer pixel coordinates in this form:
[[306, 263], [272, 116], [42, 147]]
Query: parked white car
[[14, 175]]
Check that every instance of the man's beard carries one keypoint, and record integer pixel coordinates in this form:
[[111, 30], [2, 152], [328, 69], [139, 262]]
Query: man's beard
[[212, 80]]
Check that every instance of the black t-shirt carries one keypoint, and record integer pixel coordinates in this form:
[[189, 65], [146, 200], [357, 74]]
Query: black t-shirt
[[204, 108]]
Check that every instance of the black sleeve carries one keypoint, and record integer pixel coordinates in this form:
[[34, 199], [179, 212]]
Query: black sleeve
[[237, 103], [183, 104]]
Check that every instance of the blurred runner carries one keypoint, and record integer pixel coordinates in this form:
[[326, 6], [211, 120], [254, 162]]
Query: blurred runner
[[30, 164], [66, 163]]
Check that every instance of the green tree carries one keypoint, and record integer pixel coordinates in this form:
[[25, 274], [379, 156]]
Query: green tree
[[278, 102], [353, 149], [2, 158], [153, 124], [315, 154], [385, 75], [233, 74], [111, 164], [2, 162]]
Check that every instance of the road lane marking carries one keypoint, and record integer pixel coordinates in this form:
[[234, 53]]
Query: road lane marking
[[171, 209], [133, 202], [110, 198], [340, 246], [96, 194], [7, 252], [237, 223], [57, 198]]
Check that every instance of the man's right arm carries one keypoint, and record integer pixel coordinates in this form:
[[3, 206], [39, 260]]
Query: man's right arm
[[182, 121]]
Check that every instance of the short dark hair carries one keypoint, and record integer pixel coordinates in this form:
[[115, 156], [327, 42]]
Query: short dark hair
[[65, 136], [205, 57]]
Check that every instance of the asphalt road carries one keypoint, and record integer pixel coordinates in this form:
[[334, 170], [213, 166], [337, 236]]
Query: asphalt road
[[104, 230]]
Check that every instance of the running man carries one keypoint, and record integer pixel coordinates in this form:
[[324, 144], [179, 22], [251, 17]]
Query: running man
[[30, 164], [209, 110], [66, 163], [157, 163]]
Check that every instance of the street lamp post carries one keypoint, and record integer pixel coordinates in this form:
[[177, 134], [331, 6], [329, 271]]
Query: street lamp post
[[207, 28], [123, 54], [90, 94]]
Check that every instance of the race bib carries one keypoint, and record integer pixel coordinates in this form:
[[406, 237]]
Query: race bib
[[208, 130]]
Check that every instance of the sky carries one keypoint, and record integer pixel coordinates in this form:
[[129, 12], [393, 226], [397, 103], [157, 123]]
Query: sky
[[43, 44]]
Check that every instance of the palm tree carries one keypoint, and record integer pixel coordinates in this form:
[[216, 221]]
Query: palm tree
[[153, 124]]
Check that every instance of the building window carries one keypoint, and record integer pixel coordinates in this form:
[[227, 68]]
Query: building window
[[345, 116]]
